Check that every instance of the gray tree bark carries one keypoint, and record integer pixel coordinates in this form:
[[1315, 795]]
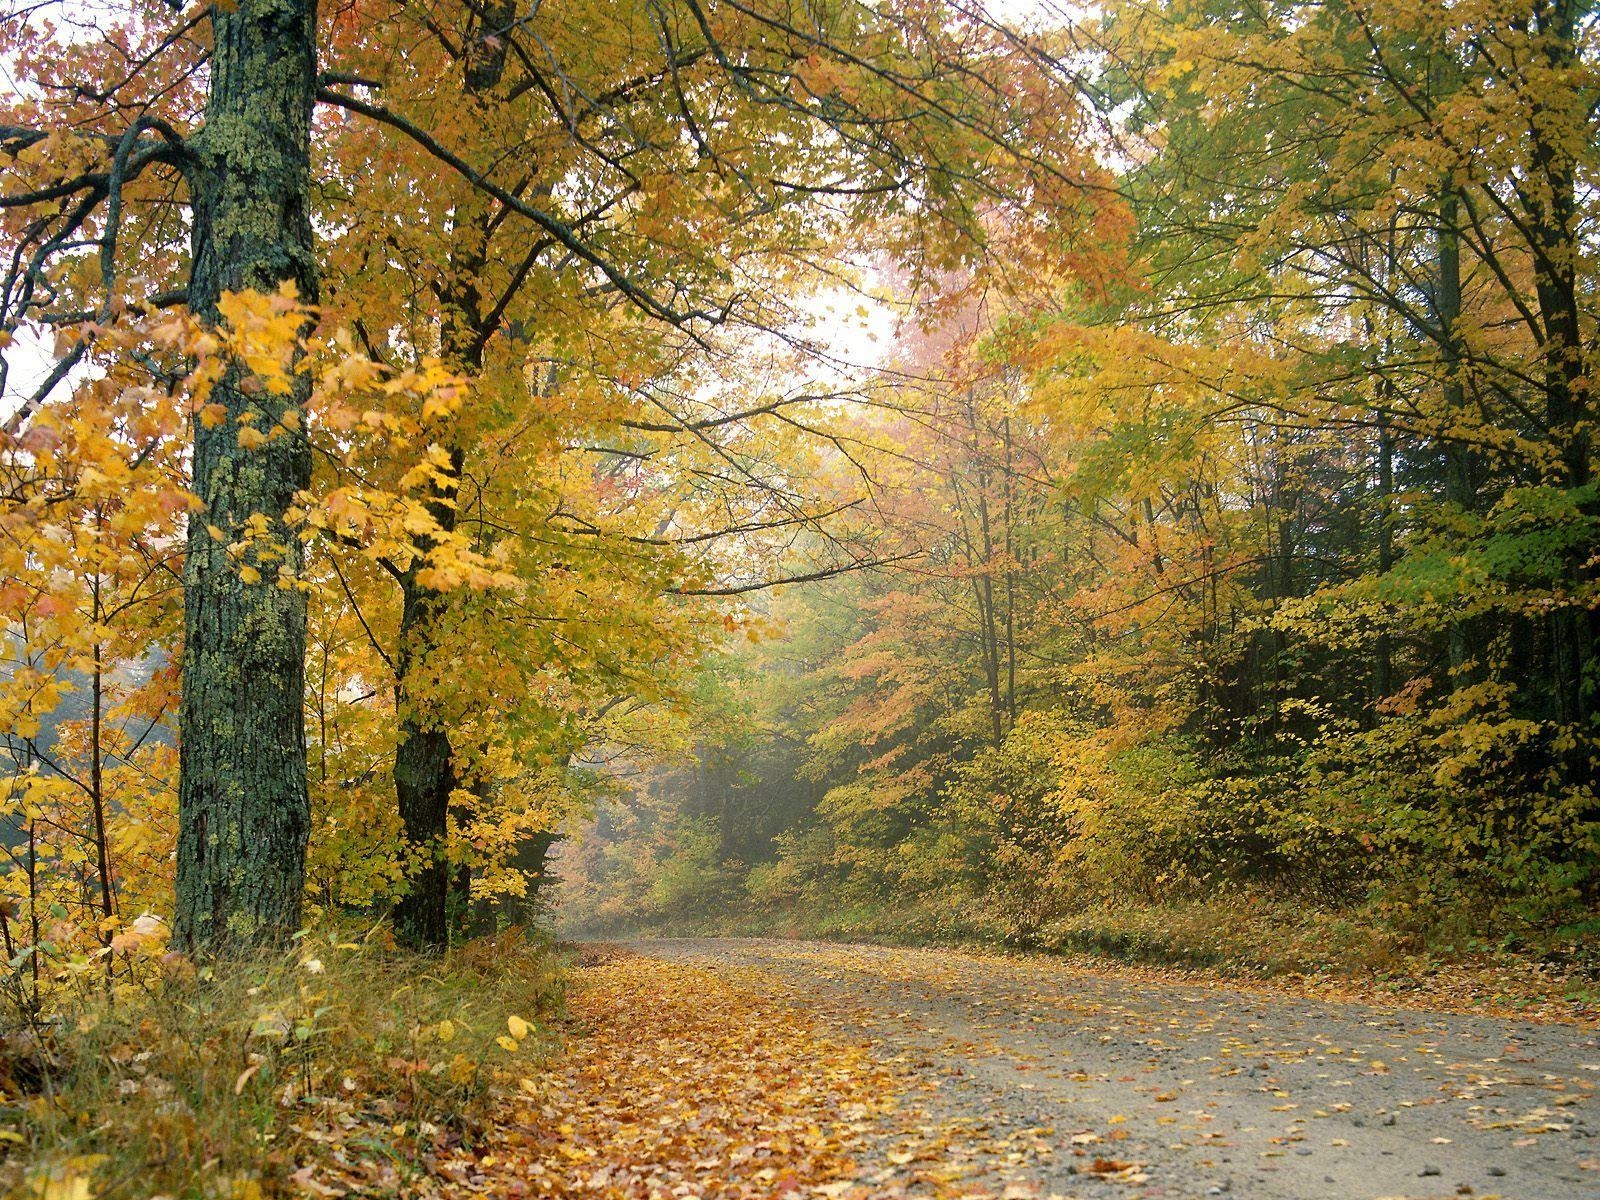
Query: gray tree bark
[[243, 810]]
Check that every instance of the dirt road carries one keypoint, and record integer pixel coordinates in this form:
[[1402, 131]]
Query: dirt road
[[1091, 1085]]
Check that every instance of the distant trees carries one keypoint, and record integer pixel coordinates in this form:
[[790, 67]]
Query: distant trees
[[1276, 557]]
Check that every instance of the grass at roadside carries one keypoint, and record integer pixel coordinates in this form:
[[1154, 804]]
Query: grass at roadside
[[341, 1065]]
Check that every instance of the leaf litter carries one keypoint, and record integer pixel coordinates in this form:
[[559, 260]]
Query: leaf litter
[[679, 1082]]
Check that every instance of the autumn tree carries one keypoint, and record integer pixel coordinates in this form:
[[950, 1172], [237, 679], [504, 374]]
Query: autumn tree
[[665, 176], [1316, 526], [86, 153], [691, 218]]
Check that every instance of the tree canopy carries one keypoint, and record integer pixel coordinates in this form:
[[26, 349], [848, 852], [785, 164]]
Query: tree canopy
[[430, 427]]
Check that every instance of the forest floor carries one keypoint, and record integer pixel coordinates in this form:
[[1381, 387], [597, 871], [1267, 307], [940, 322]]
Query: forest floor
[[743, 1067]]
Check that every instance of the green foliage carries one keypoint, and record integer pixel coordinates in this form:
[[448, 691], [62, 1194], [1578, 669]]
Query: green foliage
[[692, 876]]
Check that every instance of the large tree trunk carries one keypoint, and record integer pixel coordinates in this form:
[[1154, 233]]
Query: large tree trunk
[[244, 814], [425, 774]]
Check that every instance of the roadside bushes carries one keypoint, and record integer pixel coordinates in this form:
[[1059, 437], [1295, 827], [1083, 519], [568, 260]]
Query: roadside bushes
[[1430, 828], [1064, 817], [1472, 830], [692, 876]]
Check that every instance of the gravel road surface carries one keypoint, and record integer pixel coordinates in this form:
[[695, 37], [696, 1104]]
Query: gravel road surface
[[1096, 1085]]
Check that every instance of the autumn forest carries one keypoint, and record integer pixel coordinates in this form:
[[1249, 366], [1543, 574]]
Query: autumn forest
[[483, 480]]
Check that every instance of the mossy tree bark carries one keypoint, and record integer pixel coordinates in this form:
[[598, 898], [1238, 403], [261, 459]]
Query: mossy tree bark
[[244, 814]]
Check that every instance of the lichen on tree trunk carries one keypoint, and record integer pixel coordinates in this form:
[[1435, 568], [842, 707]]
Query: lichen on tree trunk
[[244, 814]]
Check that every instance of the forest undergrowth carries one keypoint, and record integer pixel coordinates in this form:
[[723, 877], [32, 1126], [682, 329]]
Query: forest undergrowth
[[339, 1066]]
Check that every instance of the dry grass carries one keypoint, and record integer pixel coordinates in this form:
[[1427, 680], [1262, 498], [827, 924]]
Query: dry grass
[[342, 1064]]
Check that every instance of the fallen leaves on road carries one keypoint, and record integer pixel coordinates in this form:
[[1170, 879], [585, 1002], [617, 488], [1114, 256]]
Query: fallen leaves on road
[[1483, 987], [678, 1081], [1115, 1168], [727, 1080]]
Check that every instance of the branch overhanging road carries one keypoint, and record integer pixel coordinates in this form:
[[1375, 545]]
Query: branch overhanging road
[[1047, 1079]]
